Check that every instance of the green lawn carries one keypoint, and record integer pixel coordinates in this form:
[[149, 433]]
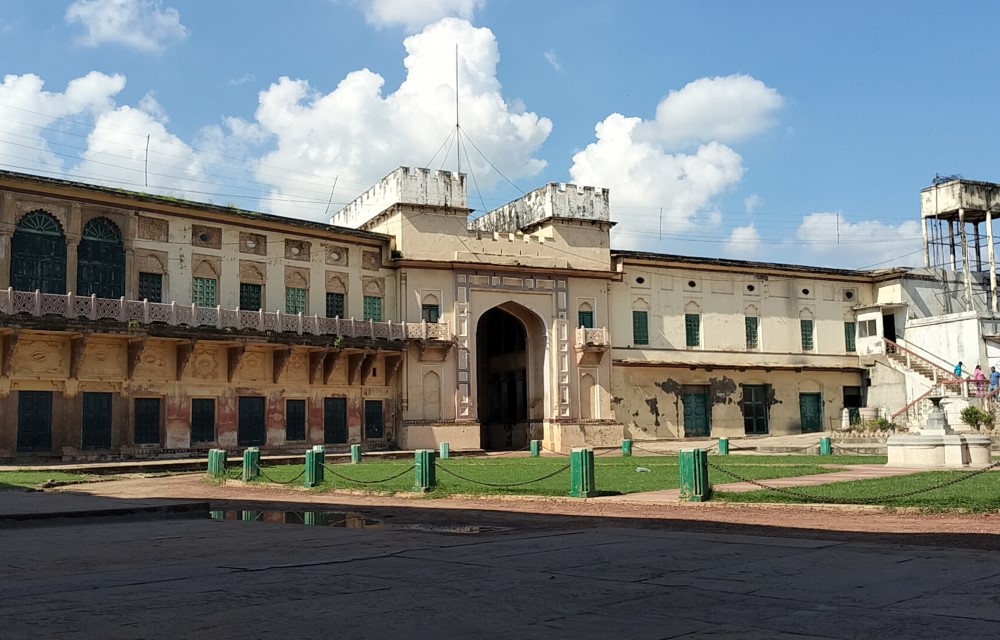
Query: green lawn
[[526, 476], [976, 493], [11, 480]]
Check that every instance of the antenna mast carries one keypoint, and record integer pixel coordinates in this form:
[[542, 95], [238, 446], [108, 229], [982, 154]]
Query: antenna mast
[[458, 129]]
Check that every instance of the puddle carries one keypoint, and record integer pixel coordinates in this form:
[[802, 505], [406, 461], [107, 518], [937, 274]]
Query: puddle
[[310, 518], [344, 519]]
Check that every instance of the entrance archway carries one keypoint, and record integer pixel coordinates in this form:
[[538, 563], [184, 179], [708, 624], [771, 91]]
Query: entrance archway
[[510, 347]]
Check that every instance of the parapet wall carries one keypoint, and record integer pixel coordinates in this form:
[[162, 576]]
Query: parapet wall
[[554, 200], [405, 185]]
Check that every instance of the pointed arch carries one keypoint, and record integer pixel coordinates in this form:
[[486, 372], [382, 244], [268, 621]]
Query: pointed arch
[[430, 395], [38, 254], [588, 388]]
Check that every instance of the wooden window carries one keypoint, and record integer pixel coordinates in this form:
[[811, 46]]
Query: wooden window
[[850, 344], [692, 329], [151, 286], [295, 300], [334, 305], [295, 420], [806, 327], [640, 327], [203, 420], [147, 421], [585, 319], [753, 335], [250, 296], [373, 308], [205, 291], [430, 312]]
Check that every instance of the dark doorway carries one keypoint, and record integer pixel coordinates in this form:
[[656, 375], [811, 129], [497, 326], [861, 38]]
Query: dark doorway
[[811, 412], [755, 409], [889, 326], [374, 420], [34, 421], [335, 420], [697, 412], [101, 261], [38, 255], [503, 380], [853, 403], [147, 421], [251, 431], [96, 421], [203, 420]]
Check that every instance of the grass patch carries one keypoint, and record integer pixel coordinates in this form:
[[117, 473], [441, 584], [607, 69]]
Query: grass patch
[[15, 480], [525, 476], [795, 459], [978, 493]]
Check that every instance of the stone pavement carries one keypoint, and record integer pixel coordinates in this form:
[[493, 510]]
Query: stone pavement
[[227, 579], [20, 508]]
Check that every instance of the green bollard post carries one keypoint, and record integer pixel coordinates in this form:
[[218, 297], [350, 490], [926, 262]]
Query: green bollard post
[[536, 448], [213, 463], [444, 451], [581, 469], [626, 447], [693, 464], [314, 468], [425, 477], [355, 453], [251, 464], [221, 462], [825, 447], [723, 446]]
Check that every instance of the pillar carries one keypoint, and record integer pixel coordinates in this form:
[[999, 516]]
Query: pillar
[[951, 244], [966, 267], [979, 253], [991, 257], [927, 247]]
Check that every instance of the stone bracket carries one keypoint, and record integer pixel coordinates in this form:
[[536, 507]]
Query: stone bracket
[[359, 366], [280, 358], [184, 351], [316, 360], [329, 364], [78, 344], [234, 357], [9, 352], [135, 348], [392, 365]]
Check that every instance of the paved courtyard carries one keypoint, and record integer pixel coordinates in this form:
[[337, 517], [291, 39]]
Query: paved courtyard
[[198, 578]]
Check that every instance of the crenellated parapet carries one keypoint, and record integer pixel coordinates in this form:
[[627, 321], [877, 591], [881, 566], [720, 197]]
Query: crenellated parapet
[[405, 185], [554, 200]]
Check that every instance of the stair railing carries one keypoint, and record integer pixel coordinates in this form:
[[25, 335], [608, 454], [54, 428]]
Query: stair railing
[[939, 374], [940, 388]]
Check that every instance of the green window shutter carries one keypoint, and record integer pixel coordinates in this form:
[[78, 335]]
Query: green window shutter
[[849, 342], [150, 286], [430, 312], [334, 305], [373, 308], [204, 290], [692, 329], [295, 420], [806, 327], [295, 300], [640, 327], [753, 340], [585, 319], [250, 295]]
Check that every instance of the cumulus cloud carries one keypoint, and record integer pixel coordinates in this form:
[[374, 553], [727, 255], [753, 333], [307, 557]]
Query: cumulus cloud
[[827, 238], [744, 243], [357, 134], [139, 24], [752, 203], [414, 15], [680, 161]]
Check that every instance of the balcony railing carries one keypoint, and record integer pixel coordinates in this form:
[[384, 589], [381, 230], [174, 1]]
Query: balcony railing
[[592, 337], [144, 312]]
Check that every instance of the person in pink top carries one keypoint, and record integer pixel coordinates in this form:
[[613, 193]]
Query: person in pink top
[[980, 379]]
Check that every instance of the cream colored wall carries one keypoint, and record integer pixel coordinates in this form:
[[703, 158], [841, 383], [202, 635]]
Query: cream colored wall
[[723, 301], [648, 399]]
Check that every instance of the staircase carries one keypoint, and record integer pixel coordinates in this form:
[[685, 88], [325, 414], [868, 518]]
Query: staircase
[[939, 380]]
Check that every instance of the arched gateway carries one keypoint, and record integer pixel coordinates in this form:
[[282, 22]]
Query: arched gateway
[[510, 367]]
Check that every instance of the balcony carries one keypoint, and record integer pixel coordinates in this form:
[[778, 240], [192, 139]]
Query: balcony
[[137, 313], [591, 344]]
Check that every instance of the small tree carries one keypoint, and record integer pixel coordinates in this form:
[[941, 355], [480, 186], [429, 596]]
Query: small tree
[[975, 417]]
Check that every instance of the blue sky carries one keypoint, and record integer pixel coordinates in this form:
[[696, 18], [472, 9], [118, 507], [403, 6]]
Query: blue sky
[[787, 131]]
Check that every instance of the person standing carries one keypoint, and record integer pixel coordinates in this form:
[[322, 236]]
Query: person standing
[[958, 369], [994, 380], [980, 379]]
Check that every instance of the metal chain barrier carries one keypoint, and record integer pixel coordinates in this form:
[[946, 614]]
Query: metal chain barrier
[[651, 452], [343, 477], [234, 474], [270, 479], [607, 453], [832, 500], [507, 485], [558, 453]]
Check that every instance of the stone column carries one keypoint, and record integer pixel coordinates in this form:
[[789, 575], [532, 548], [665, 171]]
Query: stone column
[[966, 268], [927, 248], [991, 257], [72, 256]]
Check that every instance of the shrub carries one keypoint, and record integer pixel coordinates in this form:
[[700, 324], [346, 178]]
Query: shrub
[[976, 417]]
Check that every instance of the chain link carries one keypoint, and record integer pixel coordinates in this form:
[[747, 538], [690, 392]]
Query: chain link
[[260, 471], [873, 499], [501, 485], [390, 478]]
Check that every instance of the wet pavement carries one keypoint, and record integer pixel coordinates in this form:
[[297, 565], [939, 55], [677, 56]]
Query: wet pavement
[[249, 579]]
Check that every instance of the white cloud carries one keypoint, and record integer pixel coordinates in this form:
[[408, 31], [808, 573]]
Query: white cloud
[[827, 238], [414, 15], [357, 135], [654, 165], [752, 203], [553, 59], [722, 109], [139, 24], [744, 243]]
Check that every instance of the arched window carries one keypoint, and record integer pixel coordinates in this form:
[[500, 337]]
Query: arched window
[[101, 260], [585, 316], [430, 308], [588, 396], [38, 254]]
